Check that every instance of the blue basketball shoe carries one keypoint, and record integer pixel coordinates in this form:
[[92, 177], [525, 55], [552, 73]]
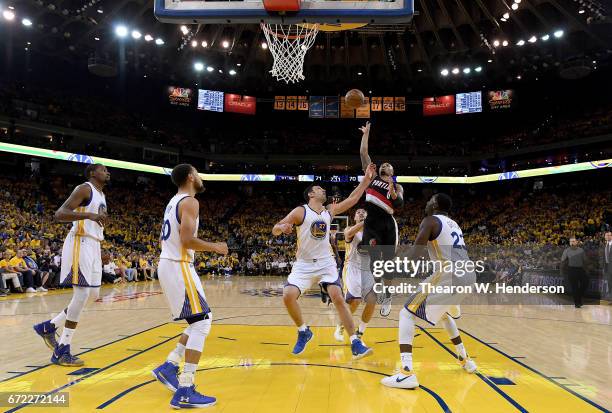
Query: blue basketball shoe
[[47, 330], [303, 338], [167, 374], [360, 350], [62, 357], [189, 398]]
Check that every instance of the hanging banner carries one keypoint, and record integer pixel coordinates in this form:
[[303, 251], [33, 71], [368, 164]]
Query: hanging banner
[[240, 104], [302, 102], [441, 105], [377, 104], [317, 107], [279, 102], [363, 111], [400, 104], [345, 110], [291, 103], [331, 107], [388, 104]]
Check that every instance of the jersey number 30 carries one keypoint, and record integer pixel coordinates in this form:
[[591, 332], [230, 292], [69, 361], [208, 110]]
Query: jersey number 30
[[166, 231]]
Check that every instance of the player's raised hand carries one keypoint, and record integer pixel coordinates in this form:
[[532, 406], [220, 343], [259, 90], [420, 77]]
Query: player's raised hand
[[220, 248], [366, 128], [370, 172]]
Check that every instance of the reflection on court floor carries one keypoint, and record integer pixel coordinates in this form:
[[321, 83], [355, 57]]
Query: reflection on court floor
[[249, 369]]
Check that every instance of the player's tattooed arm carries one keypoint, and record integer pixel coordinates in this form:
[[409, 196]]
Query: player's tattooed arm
[[80, 195], [363, 149], [285, 226], [338, 208], [189, 209], [349, 232], [396, 193]]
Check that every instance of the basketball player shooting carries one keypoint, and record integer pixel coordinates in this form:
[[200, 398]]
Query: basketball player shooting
[[383, 197], [357, 277], [182, 287], [315, 261], [442, 239], [81, 265]]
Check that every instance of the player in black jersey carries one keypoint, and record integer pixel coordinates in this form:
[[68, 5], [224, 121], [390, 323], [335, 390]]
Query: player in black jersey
[[383, 197]]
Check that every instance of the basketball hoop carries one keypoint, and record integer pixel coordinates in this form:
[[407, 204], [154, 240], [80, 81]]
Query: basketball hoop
[[289, 44]]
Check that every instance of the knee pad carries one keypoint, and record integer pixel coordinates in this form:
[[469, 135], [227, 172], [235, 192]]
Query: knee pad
[[197, 335], [80, 295]]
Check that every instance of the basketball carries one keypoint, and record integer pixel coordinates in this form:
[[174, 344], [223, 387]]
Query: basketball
[[354, 98]]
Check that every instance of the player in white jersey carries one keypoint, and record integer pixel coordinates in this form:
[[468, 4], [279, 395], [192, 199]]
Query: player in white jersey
[[314, 260], [183, 289], [356, 276], [442, 238], [81, 265]]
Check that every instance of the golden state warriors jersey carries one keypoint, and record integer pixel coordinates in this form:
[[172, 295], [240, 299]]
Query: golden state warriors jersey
[[86, 227], [448, 245], [313, 236], [171, 247], [352, 256]]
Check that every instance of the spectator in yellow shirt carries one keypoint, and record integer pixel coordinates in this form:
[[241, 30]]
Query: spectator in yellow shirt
[[18, 265]]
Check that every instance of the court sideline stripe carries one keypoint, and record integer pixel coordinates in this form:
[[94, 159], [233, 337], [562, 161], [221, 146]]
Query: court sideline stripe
[[80, 379], [438, 399], [83, 352], [486, 380], [117, 362], [140, 332], [592, 403], [123, 393]]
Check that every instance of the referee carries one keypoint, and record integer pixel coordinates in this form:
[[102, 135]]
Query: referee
[[573, 260]]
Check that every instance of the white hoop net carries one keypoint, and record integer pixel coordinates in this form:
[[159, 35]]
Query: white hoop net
[[289, 44]]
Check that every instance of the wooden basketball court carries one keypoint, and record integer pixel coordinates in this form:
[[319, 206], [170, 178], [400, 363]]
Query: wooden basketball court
[[531, 359]]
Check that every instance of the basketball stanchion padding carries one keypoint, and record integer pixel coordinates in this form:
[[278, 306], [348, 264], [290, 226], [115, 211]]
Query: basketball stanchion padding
[[282, 6]]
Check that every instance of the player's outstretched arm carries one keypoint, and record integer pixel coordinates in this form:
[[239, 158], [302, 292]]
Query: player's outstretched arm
[[349, 232], [285, 226], [189, 210], [363, 149], [66, 212], [355, 196]]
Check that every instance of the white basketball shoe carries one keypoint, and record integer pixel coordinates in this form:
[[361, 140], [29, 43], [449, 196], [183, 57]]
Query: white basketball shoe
[[402, 380], [468, 365]]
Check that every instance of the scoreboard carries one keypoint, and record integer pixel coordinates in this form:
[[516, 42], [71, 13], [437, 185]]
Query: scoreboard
[[470, 102]]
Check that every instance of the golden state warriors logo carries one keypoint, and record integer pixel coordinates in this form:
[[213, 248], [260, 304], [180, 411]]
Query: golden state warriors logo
[[318, 229]]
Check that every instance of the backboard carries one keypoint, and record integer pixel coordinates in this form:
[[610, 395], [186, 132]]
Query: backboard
[[253, 11]]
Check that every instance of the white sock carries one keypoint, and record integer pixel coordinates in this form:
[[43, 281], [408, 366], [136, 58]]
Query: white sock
[[59, 319], [354, 337], [362, 326], [406, 359], [187, 376], [177, 354], [340, 327], [302, 327], [461, 351], [66, 337]]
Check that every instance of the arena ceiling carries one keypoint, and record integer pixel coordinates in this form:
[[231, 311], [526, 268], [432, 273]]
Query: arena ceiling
[[445, 34]]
